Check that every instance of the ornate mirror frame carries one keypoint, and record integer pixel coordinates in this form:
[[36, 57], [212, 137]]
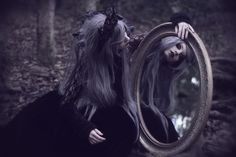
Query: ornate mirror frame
[[206, 86]]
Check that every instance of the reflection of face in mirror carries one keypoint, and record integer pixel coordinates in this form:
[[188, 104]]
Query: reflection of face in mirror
[[166, 79], [175, 53]]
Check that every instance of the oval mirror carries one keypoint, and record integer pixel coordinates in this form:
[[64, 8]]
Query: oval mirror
[[172, 86]]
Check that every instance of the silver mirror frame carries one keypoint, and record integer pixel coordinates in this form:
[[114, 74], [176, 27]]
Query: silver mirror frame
[[206, 87]]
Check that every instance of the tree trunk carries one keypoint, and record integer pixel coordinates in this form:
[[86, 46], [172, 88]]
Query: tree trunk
[[45, 32]]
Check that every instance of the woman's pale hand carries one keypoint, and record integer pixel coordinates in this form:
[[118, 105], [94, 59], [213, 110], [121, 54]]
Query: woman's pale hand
[[95, 136], [182, 29]]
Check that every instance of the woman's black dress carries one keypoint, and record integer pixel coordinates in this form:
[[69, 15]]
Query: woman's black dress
[[44, 128]]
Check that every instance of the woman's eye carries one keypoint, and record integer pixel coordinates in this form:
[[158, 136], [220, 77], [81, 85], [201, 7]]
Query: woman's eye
[[179, 46]]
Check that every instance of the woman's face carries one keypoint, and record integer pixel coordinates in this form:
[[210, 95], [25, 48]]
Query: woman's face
[[174, 53]]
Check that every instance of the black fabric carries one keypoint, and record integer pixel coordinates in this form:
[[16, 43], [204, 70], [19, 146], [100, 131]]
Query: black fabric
[[79, 126], [180, 17], [156, 127], [118, 77], [118, 129], [44, 128], [31, 131]]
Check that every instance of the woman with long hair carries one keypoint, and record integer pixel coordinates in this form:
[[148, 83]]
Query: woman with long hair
[[97, 85], [92, 113], [165, 63]]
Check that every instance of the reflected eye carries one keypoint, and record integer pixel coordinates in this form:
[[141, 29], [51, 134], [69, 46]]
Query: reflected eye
[[178, 46]]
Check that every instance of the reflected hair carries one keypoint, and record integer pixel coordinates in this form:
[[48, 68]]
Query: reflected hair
[[158, 77]]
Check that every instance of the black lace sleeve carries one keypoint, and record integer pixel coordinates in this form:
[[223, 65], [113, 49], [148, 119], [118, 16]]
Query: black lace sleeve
[[74, 120], [180, 17]]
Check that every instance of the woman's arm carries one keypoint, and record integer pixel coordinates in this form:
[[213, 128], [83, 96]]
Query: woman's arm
[[79, 126], [182, 24]]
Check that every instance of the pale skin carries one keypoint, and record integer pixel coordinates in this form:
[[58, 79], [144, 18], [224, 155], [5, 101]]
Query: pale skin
[[182, 29], [172, 54], [96, 136]]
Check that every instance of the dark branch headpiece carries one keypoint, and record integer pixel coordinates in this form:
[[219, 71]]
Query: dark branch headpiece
[[108, 27], [106, 31]]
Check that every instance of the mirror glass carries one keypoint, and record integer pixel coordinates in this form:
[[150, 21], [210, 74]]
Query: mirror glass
[[169, 89]]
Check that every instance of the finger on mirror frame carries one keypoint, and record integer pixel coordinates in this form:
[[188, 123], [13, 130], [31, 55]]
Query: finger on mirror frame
[[183, 32], [191, 28], [186, 33], [176, 29], [179, 31]]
